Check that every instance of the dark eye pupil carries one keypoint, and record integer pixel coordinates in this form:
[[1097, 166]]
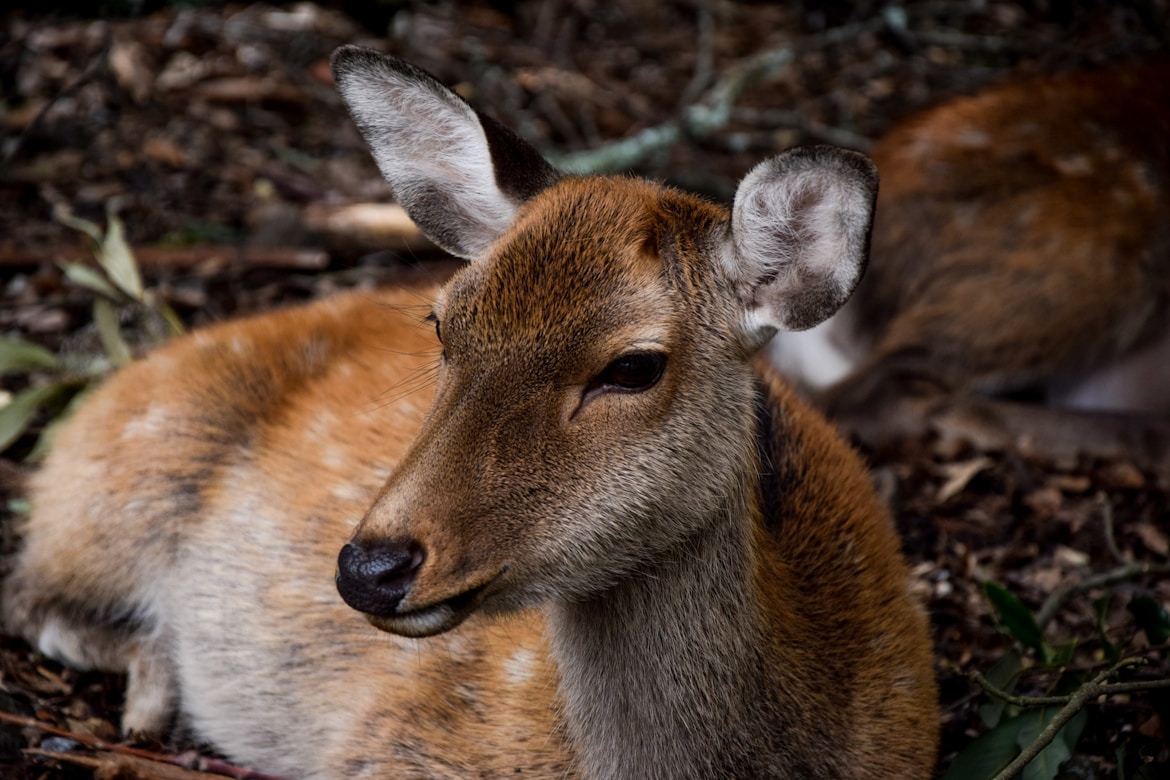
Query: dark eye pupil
[[638, 371]]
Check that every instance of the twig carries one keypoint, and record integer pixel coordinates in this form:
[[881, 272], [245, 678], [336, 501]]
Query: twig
[[187, 760], [1110, 534], [1130, 571], [704, 56], [178, 257], [714, 110], [91, 68], [780, 117], [115, 765], [1076, 702], [1051, 701], [957, 40]]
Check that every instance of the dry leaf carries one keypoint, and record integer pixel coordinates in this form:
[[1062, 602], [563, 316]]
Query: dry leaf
[[958, 475], [1045, 502], [165, 151], [1152, 538], [131, 70]]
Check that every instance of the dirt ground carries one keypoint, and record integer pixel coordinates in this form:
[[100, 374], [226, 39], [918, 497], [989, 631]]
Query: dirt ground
[[216, 136]]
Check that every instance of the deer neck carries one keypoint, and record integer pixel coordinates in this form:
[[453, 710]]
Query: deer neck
[[664, 674]]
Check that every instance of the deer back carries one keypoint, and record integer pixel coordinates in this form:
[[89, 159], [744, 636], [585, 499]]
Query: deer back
[[1020, 238]]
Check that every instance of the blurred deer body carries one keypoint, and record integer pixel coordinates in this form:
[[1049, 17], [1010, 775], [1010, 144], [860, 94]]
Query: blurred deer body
[[614, 547], [1021, 245]]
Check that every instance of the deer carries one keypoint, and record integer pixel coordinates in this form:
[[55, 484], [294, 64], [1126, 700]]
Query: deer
[[1018, 292], [566, 524]]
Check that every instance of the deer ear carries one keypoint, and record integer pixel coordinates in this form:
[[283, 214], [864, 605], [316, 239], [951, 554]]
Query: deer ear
[[460, 175], [799, 238]]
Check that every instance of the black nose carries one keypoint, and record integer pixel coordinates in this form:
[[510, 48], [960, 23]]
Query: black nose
[[374, 579]]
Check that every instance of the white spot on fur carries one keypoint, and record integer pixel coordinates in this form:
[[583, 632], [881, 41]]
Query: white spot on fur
[[335, 458], [154, 420], [348, 492], [518, 667], [1074, 164], [973, 138], [321, 427]]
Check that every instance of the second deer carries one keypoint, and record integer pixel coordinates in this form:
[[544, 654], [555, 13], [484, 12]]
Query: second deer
[[612, 548], [1021, 248]]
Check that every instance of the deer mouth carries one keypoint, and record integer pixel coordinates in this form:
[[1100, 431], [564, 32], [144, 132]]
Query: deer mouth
[[431, 619]]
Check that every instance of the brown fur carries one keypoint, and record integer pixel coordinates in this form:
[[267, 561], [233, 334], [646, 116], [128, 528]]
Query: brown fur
[[1020, 243], [690, 579]]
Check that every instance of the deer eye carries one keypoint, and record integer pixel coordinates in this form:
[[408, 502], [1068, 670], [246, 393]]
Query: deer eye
[[632, 373], [432, 317]]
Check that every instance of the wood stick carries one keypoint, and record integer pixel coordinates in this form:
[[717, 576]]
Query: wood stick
[[177, 257], [191, 761]]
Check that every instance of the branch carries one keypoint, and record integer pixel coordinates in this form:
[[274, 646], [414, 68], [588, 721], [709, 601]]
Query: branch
[[1111, 689], [713, 111], [704, 57], [1130, 571], [175, 257], [191, 761], [1076, 702], [121, 766], [1110, 533], [90, 70]]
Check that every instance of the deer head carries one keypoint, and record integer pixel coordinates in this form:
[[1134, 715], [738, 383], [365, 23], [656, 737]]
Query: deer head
[[594, 407]]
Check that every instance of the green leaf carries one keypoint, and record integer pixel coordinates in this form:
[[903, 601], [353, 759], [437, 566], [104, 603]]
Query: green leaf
[[1101, 609], [1151, 617], [81, 390], [17, 355], [174, 324], [118, 260], [16, 417], [991, 752], [90, 279], [1016, 618], [988, 753], [105, 318], [18, 506], [1063, 653], [1002, 675], [1145, 772], [1047, 763]]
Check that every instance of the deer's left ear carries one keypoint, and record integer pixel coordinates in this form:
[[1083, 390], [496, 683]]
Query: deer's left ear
[[799, 237]]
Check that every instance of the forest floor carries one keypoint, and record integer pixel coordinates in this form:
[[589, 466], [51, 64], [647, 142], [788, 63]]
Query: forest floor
[[216, 136]]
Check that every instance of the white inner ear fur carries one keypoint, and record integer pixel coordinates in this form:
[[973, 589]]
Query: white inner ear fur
[[798, 238], [428, 142]]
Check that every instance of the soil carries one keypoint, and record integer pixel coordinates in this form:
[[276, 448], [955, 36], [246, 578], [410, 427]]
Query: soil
[[216, 136]]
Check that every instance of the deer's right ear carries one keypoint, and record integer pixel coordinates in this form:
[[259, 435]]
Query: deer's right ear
[[460, 175]]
